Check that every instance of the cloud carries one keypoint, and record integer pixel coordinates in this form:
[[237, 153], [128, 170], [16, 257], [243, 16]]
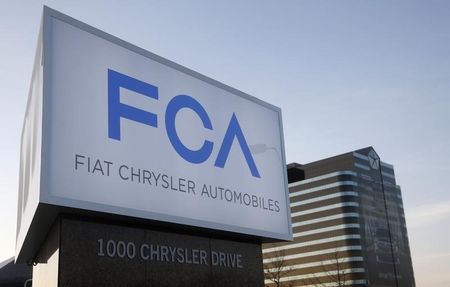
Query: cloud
[[427, 214], [433, 256]]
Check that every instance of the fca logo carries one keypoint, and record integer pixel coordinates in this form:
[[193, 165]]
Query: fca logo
[[118, 110]]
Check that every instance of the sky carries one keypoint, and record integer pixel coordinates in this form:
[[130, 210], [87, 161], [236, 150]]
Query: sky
[[346, 74]]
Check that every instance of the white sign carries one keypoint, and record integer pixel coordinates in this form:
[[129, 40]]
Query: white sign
[[127, 132]]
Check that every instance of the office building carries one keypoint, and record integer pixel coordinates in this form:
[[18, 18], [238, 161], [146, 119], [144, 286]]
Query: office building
[[348, 224]]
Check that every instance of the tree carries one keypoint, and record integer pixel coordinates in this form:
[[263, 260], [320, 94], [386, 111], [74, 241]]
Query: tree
[[277, 269], [334, 270]]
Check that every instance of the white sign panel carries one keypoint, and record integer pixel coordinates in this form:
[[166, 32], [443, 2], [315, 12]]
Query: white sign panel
[[127, 132]]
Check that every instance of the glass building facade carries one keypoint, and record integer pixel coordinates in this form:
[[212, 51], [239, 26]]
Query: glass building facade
[[348, 223]]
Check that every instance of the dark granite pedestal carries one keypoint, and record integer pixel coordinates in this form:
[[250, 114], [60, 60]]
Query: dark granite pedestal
[[86, 253]]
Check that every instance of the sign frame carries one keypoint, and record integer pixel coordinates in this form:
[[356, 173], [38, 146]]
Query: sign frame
[[34, 220]]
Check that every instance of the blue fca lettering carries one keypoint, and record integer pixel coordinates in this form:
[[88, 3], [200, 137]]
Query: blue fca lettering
[[118, 110]]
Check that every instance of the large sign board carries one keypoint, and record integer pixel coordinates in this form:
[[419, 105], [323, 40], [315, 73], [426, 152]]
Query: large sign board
[[115, 129]]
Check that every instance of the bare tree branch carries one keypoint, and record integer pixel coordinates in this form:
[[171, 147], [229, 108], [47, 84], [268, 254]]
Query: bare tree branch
[[277, 269], [334, 272], [333, 269]]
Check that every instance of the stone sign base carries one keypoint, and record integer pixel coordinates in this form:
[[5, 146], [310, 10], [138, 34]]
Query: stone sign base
[[87, 253]]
